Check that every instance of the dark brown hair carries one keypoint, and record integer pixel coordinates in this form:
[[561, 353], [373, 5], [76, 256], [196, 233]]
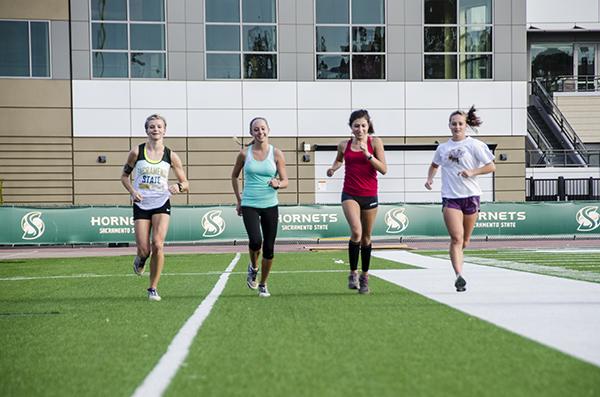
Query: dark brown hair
[[471, 117], [359, 114]]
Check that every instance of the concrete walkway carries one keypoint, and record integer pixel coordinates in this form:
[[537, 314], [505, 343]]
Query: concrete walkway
[[561, 313]]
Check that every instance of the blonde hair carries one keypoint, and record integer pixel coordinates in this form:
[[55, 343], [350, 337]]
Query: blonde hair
[[154, 116]]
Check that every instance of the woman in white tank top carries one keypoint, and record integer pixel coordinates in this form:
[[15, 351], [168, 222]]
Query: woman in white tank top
[[150, 193]]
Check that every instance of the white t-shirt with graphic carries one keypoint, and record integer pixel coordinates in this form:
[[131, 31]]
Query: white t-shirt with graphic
[[456, 156]]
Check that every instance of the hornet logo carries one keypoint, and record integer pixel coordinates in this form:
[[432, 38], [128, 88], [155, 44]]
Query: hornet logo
[[213, 224], [588, 218], [33, 226], [396, 220]]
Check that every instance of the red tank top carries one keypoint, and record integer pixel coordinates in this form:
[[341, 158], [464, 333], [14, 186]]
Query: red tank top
[[360, 177]]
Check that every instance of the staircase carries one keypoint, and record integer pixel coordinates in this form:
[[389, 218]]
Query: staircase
[[550, 136]]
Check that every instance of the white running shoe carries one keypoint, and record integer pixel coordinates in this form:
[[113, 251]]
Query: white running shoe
[[153, 295], [263, 292]]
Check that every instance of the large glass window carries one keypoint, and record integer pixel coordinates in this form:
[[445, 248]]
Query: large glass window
[[128, 39], [350, 39], [457, 39], [24, 49], [241, 39]]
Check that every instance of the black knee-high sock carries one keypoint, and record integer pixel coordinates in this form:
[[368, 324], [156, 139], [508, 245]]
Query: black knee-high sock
[[365, 257], [353, 250]]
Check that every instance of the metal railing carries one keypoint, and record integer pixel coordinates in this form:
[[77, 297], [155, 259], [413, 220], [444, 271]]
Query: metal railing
[[537, 88], [541, 143], [560, 158], [562, 189], [585, 83]]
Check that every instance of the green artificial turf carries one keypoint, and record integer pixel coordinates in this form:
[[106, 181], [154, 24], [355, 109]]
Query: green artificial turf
[[71, 335]]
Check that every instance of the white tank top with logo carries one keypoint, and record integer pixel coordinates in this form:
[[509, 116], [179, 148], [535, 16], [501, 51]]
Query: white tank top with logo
[[151, 179]]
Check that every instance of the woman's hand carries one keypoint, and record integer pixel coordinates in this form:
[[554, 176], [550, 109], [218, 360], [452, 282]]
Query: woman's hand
[[330, 172], [136, 196], [238, 209], [466, 173], [275, 183], [428, 184]]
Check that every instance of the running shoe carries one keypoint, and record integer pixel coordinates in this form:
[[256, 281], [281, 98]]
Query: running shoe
[[363, 280], [251, 278], [263, 292], [153, 295], [138, 265], [460, 284], [353, 280]]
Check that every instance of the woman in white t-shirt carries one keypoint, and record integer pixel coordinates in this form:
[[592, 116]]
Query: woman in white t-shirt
[[462, 158]]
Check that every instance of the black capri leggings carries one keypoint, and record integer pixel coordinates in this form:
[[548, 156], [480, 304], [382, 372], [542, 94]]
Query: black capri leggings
[[254, 219]]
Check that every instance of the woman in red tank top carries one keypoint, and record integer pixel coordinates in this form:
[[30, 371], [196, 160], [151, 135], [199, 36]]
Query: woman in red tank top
[[364, 156]]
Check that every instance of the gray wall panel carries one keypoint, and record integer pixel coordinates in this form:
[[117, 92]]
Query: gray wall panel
[[305, 38], [194, 37], [414, 39], [413, 67], [80, 65], [79, 10], [176, 11], [395, 12], [502, 12], [80, 36], [305, 13], [305, 68], [395, 38], [502, 38], [502, 67], [519, 12], [519, 67], [395, 67], [61, 69], [195, 66], [177, 66], [194, 11], [287, 38], [519, 38], [176, 37], [413, 12], [287, 66], [287, 12]]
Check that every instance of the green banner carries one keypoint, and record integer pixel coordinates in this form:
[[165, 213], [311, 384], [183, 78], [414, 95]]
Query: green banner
[[85, 225]]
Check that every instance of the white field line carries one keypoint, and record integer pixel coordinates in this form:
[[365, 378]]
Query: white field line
[[160, 377], [535, 268], [23, 278]]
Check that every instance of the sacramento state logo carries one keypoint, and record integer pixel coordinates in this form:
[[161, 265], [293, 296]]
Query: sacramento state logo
[[396, 220], [33, 226], [213, 224], [588, 218]]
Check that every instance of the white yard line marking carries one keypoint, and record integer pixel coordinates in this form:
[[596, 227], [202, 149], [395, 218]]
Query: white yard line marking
[[557, 312], [160, 377], [22, 278]]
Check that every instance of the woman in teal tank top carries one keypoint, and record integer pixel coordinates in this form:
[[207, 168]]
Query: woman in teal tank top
[[264, 174]]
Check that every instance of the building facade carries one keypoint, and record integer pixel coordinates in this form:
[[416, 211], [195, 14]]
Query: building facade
[[84, 74]]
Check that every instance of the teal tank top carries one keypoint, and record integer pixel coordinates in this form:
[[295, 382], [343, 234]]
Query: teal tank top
[[257, 193]]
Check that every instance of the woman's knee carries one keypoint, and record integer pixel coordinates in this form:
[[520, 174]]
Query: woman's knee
[[254, 244], [457, 239], [157, 246]]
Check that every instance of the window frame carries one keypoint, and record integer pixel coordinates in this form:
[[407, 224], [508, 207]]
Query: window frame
[[30, 76], [458, 53], [240, 53], [350, 52], [128, 22]]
